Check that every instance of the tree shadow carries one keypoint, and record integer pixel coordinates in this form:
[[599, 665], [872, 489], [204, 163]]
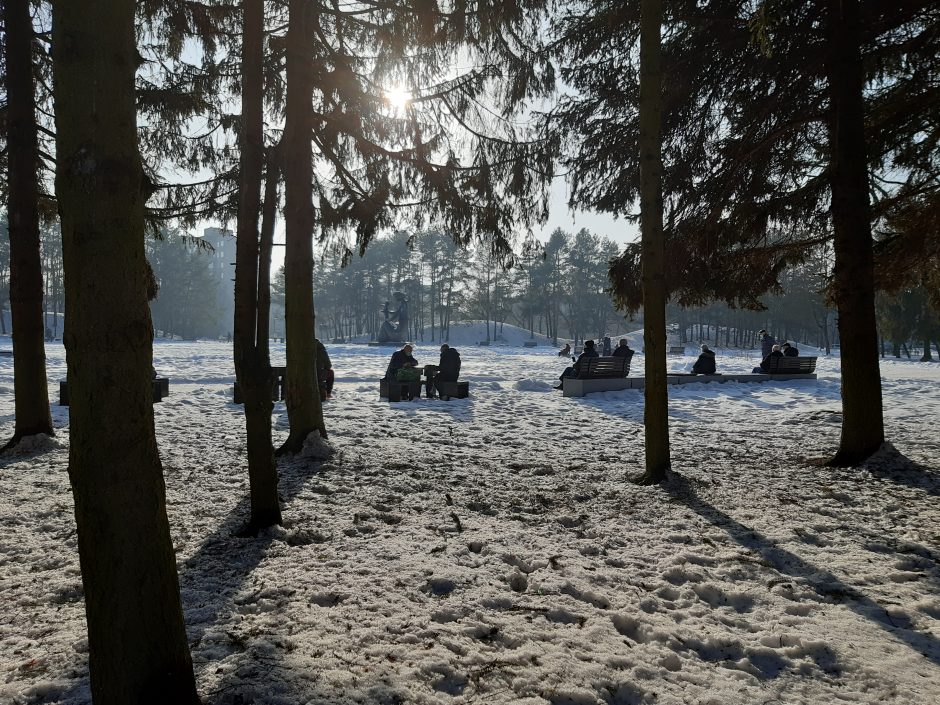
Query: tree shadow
[[822, 581], [892, 465]]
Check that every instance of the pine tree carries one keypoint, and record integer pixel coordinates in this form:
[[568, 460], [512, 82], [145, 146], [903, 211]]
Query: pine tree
[[138, 652], [26, 290]]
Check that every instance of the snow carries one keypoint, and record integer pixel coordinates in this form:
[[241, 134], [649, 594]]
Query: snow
[[491, 549]]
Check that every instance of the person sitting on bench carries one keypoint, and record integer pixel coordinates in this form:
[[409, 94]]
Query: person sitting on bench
[[789, 350], [402, 368], [565, 351], [705, 365], [764, 367], [590, 350], [623, 349], [325, 376], [448, 370]]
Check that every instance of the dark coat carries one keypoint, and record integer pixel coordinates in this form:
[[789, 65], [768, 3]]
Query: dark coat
[[589, 352], [791, 352], [705, 365], [767, 345], [322, 357], [765, 365], [399, 360], [449, 368], [623, 351]]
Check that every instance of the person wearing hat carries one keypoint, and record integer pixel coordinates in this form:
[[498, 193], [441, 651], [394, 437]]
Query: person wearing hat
[[590, 350], [767, 343], [789, 350], [705, 365], [764, 366]]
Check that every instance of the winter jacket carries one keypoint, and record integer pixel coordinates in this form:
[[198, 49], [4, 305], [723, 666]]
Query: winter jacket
[[588, 352], [322, 358], [705, 365], [623, 351], [791, 352], [767, 345], [765, 365], [399, 359], [449, 368]]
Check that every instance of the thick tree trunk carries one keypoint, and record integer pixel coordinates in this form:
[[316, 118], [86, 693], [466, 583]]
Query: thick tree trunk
[[303, 398], [30, 387], [252, 362], [853, 276], [137, 642], [656, 409]]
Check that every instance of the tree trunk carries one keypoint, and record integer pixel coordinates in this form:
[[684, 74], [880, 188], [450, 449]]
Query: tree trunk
[[304, 408], [136, 639], [31, 390], [656, 409], [252, 362], [853, 275]]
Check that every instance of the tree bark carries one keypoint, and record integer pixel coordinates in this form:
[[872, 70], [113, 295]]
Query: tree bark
[[304, 409], [656, 408], [30, 387], [252, 360], [853, 276], [138, 651]]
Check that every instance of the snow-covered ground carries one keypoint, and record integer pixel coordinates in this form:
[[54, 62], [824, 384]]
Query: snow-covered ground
[[491, 549]]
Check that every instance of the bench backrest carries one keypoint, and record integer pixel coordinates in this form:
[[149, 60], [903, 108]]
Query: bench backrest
[[604, 367], [791, 365], [677, 350]]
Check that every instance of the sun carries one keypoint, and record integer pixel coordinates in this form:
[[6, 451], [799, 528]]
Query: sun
[[398, 97]]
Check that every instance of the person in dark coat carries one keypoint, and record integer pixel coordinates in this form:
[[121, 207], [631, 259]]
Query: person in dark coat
[[764, 366], [565, 351], [448, 370], [789, 350], [705, 365], [623, 349], [325, 376], [767, 343], [606, 346], [590, 350], [401, 360]]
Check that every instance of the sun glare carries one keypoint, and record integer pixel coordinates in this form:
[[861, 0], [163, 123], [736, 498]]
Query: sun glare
[[398, 97]]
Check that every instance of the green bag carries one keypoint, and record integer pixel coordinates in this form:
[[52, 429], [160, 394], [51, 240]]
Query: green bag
[[408, 374]]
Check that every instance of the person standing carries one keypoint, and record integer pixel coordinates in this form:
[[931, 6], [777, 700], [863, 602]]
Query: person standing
[[767, 343], [325, 376]]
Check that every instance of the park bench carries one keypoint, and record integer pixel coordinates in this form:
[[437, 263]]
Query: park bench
[[529, 343], [161, 388], [6, 353], [677, 350], [791, 365], [396, 390], [598, 374], [454, 390], [278, 391]]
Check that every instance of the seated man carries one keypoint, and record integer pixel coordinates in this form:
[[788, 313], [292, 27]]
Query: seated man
[[590, 350], [325, 376], [448, 370], [623, 349], [565, 351], [705, 365], [789, 350], [402, 368], [764, 366]]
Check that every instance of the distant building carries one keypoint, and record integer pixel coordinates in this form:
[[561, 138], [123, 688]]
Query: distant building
[[222, 268]]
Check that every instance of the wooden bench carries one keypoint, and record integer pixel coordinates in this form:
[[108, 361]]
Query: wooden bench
[[161, 388], [397, 390], [598, 374], [677, 350], [454, 390], [791, 365], [278, 390]]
